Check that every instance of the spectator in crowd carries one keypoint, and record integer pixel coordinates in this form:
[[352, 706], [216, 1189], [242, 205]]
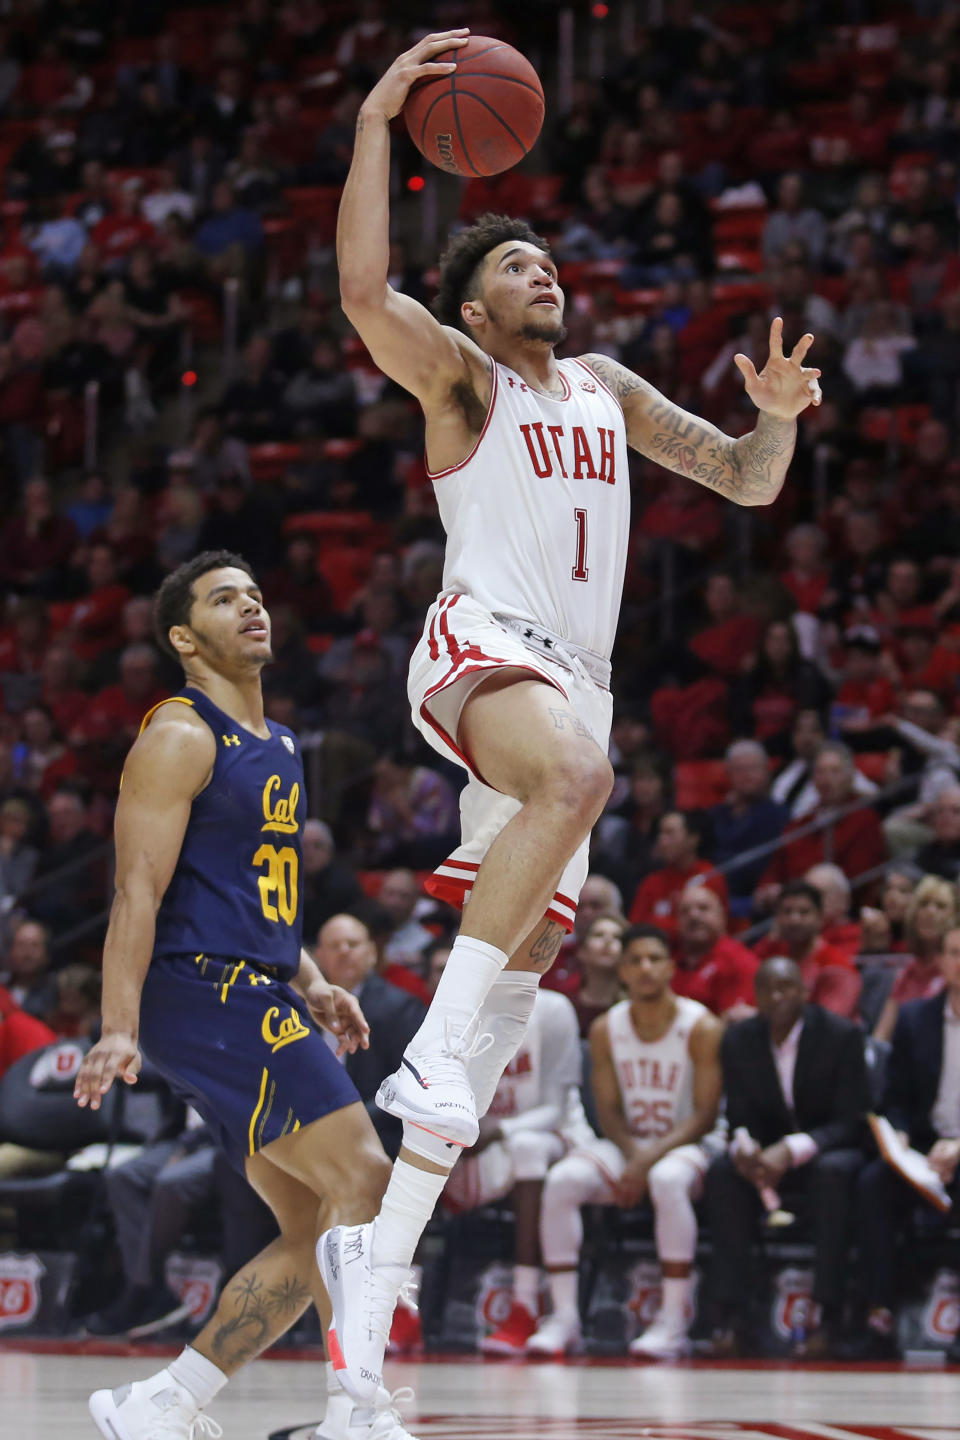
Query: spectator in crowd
[[535, 1116], [796, 1089], [839, 928], [78, 894], [413, 812], [926, 755], [36, 543], [20, 1033], [76, 1012], [435, 958], [883, 929], [43, 759], [765, 702], [598, 896], [596, 986], [856, 837], [153, 1199], [920, 1101], [711, 966], [625, 837], [327, 886], [746, 820], [679, 837], [934, 909], [828, 973], [792, 220], [654, 1146], [399, 896], [942, 855], [26, 970], [18, 858], [347, 957]]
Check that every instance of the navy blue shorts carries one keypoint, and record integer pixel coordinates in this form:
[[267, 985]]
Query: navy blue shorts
[[240, 1047]]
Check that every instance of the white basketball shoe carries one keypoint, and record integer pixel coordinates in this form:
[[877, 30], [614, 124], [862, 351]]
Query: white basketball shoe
[[661, 1341], [156, 1409], [381, 1421], [363, 1299], [431, 1088], [559, 1334]]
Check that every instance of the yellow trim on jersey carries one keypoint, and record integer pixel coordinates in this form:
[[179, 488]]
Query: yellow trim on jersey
[[258, 1107], [171, 700], [227, 983]]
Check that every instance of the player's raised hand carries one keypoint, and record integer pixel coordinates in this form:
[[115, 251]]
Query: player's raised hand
[[337, 1010], [785, 386], [113, 1057], [418, 63]]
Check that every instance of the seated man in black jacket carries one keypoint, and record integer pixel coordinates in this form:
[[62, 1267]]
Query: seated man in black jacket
[[347, 956], [922, 1102], [796, 1090]]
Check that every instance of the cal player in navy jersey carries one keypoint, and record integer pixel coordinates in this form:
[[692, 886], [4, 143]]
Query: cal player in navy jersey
[[203, 971]]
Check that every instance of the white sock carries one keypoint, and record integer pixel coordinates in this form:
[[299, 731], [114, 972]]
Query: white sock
[[469, 973], [410, 1200], [563, 1293], [195, 1373], [673, 1301], [505, 1015], [526, 1287]]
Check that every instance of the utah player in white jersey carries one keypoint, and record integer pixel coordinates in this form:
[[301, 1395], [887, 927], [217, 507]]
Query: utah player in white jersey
[[512, 675], [656, 1083], [535, 1117]]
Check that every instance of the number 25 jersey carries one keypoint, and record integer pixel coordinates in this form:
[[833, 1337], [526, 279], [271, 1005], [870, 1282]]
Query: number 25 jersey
[[235, 891], [538, 515]]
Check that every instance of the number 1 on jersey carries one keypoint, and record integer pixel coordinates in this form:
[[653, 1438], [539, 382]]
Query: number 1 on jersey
[[580, 571]]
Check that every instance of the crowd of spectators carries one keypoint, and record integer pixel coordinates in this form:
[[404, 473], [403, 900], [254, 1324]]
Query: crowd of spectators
[[787, 722]]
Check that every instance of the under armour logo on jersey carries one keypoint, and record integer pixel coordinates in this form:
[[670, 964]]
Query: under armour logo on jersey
[[230, 739], [288, 743], [511, 382], [545, 641]]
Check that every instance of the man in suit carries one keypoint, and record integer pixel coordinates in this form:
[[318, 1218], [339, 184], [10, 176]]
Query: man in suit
[[347, 956], [922, 1102], [796, 1086]]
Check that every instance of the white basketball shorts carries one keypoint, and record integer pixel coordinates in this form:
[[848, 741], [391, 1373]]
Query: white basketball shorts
[[482, 1179], [462, 643]]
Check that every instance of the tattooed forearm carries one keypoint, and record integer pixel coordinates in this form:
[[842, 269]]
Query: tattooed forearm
[[546, 947], [748, 471]]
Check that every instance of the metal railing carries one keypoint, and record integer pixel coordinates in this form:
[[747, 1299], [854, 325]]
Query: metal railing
[[100, 858]]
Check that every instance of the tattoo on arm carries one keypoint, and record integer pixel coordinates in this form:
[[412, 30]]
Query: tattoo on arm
[[565, 719], [361, 124], [748, 471], [546, 947]]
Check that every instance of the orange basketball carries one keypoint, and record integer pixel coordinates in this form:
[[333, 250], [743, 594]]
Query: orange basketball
[[481, 118]]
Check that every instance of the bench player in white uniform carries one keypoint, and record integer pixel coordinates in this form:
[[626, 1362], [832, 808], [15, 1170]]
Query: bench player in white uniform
[[535, 1117], [529, 458], [657, 1083]]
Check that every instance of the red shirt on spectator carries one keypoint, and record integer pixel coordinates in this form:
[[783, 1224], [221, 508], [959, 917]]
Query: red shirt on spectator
[[655, 902], [846, 935], [117, 234], [723, 978], [95, 621], [830, 975], [807, 590], [723, 646], [918, 980], [111, 712], [26, 551], [405, 979], [858, 845], [877, 697], [19, 1033]]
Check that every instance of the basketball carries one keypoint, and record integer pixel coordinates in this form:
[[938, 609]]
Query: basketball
[[484, 117]]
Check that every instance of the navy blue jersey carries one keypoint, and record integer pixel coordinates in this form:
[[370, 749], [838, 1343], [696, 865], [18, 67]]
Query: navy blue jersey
[[236, 888]]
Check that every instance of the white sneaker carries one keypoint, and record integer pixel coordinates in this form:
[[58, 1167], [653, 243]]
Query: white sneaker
[[150, 1410], [557, 1335], [661, 1341], [431, 1088], [363, 1300], [382, 1421]]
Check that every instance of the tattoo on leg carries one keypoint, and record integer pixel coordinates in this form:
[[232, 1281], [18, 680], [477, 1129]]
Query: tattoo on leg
[[546, 947], [256, 1313], [563, 719]]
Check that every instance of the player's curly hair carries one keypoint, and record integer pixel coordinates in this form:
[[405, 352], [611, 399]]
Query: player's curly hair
[[461, 262], [174, 600]]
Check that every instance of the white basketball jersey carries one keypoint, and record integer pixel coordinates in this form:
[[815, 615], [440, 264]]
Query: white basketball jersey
[[547, 1063], [655, 1076], [538, 515]]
